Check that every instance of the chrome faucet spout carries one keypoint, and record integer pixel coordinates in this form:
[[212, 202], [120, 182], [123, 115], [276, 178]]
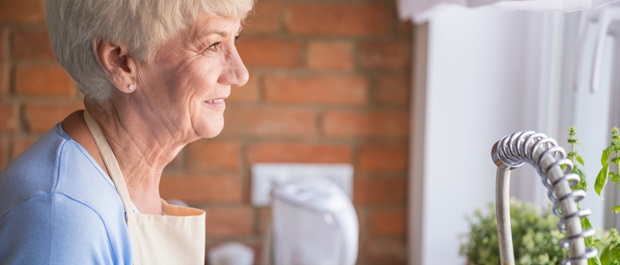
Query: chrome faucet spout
[[549, 160]]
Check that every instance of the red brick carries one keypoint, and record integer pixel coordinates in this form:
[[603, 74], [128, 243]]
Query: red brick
[[269, 52], [9, 117], [337, 19], [32, 45], [404, 29], [264, 18], [229, 221], [40, 117], [270, 121], [383, 157], [201, 188], [22, 11], [376, 123], [4, 78], [20, 144], [247, 93], [4, 153], [282, 152], [379, 190], [393, 90], [264, 220], [389, 222], [363, 220], [4, 65], [322, 89], [385, 55], [210, 154], [4, 33], [323, 55], [35, 80], [379, 252]]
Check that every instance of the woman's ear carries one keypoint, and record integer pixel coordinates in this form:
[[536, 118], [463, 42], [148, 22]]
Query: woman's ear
[[117, 64]]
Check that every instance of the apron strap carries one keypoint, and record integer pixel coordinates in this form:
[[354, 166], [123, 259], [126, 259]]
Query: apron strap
[[109, 160]]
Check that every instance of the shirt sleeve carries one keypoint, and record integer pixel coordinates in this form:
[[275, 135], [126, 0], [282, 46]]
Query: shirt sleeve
[[53, 229]]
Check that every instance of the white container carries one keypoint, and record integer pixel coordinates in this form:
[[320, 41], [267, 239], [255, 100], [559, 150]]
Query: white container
[[314, 223], [231, 253]]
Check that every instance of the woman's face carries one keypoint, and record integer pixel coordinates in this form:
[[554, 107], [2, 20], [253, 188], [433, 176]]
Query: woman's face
[[186, 84]]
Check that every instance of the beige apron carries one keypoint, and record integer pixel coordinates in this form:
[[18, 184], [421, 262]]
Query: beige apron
[[178, 237]]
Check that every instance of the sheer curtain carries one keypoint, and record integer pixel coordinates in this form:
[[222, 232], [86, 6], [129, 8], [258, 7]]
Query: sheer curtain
[[420, 11]]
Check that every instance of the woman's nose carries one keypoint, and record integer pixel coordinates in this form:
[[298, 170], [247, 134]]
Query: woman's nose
[[235, 74]]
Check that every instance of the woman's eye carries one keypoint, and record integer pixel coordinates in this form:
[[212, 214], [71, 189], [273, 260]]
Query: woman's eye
[[237, 39], [214, 46]]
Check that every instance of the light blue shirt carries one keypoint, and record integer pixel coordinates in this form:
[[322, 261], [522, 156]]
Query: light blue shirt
[[57, 206]]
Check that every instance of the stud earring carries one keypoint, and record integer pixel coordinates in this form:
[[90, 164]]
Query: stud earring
[[132, 87]]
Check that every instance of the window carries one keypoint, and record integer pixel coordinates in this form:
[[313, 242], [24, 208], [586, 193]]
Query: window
[[592, 89], [481, 74]]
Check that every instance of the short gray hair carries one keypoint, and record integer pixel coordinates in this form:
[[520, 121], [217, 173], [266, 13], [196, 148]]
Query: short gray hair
[[143, 25]]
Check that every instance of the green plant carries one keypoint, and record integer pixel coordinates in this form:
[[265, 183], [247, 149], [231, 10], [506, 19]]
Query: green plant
[[536, 240], [608, 245], [607, 161], [576, 158], [607, 242]]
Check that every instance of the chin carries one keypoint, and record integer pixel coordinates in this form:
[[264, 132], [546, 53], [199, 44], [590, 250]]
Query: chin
[[212, 129], [211, 134]]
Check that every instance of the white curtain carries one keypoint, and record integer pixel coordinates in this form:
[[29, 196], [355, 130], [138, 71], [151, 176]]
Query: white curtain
[[420, 11]]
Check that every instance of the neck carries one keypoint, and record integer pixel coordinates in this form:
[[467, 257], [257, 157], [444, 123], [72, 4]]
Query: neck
[[141, 151]]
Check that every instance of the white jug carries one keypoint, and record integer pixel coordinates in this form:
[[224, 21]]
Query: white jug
[[314, 223]]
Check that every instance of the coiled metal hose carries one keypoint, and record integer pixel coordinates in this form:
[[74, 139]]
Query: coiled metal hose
[[555, 169]]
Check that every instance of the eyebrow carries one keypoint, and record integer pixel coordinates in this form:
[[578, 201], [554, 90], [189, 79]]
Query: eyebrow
[[221, 33]]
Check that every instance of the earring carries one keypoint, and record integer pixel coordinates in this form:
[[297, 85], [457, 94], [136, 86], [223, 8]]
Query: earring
[[132, 87]]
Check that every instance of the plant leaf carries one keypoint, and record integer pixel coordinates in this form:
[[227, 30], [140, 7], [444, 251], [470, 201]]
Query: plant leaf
[[585, 224], [613, 177], [583, 180], [580, 160], [605, 156], [616, 209], [601, 179], [594, 261], [605, 255], [615, 252]]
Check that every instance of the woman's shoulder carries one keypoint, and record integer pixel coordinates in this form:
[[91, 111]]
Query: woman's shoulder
[[53, 164], [54, 198], [54, 228], [38, 160]]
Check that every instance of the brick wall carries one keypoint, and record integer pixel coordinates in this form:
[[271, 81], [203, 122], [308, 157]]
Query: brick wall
[[329, 84]]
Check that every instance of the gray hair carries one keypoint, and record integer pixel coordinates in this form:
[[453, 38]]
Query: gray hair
[[143, 25]]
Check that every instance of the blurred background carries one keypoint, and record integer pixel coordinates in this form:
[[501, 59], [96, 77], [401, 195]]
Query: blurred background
[[329, 83], [414, 108]]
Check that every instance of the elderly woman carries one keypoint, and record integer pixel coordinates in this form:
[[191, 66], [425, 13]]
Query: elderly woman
[[155, 75]]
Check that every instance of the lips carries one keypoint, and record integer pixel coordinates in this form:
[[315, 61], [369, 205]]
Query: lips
[[216, 101]]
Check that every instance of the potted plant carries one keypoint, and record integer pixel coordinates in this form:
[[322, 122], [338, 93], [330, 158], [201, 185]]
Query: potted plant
[[536, 240]]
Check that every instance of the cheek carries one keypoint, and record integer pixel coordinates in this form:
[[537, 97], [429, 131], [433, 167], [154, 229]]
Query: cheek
[[187, 83], [184, 87], [206, 72], [201, 74]]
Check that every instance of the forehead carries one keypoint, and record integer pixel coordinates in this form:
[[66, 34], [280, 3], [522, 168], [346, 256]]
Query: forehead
[[203, 30], [207, 25]]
